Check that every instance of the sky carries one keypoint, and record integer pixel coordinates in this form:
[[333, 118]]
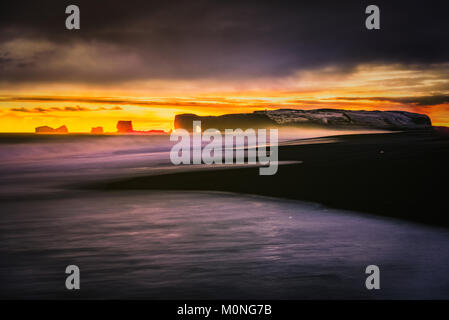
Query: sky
[[147, 61]]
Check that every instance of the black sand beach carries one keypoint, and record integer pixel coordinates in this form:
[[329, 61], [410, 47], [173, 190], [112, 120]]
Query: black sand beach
[[401, 175], [70, 200]]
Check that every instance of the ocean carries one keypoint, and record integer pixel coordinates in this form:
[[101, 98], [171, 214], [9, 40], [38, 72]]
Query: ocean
[[189, 245]]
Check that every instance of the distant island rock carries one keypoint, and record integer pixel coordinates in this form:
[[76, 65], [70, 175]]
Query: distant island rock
[[335, 118], [47, 129], [96, 130], [125, 126]]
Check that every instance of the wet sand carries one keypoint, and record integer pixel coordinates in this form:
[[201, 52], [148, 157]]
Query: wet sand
[[401, 175]]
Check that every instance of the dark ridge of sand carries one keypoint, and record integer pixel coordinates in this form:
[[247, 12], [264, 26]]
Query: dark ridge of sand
[[401, 175]]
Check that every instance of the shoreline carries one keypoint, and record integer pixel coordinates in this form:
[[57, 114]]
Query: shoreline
[[399, 175]]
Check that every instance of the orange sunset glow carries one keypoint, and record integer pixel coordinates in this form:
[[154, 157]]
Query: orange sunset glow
[[195, 153], [153, 104]]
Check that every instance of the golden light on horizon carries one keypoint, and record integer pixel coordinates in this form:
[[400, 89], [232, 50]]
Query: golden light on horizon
[[153, 104]]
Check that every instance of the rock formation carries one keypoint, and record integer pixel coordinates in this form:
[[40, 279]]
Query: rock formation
[[96, 130], [335, 118], [227, 121], [125, 127], [47, 129]]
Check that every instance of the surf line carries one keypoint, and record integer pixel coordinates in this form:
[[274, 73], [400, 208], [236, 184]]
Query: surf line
[[208, 147]]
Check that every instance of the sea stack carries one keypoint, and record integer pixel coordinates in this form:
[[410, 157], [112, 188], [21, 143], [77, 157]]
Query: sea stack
[[125, 126], [96, 130]]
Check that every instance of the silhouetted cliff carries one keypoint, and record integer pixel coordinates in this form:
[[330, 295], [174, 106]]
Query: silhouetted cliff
[[228, 121], [335, 118]]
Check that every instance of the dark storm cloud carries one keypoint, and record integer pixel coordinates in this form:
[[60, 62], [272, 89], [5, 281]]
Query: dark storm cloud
[[131, 40], [431, 100]]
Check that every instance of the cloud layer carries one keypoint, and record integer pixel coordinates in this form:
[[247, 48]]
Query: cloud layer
[[58, 109], [134, 40]]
